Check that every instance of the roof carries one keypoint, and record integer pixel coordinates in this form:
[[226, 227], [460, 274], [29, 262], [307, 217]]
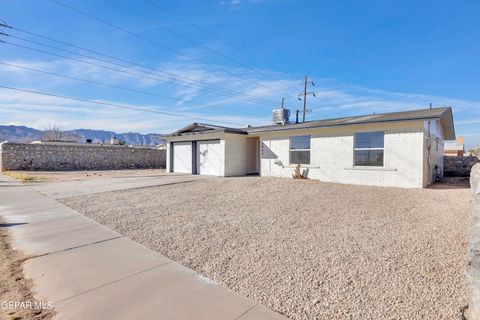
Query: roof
[[443, 114], [198, 128]]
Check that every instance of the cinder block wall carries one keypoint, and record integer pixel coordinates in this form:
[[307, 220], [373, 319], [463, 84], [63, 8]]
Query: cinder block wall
[[459, 166], [473, 266], [22, 156]]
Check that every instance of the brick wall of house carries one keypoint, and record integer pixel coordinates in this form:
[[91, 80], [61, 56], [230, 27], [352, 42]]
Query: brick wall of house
[[433, 152], [332, 155], [22, 156]]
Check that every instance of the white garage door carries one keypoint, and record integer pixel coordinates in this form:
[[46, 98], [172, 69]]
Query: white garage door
[[209, 157], [182, 157]]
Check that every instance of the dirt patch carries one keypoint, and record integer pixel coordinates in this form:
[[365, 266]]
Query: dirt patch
[[308, 249], [52, 176], [15, 288], [25, 177]]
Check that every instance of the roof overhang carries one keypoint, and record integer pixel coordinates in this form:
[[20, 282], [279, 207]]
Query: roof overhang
[[445, 118], [202, 128], [446, 122], [443, 115]]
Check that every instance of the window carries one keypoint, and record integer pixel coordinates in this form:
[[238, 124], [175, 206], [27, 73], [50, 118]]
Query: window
[[300, 150], [368, 150]]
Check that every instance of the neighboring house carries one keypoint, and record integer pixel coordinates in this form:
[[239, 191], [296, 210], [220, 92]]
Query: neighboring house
[[401, 149], [455, 148]]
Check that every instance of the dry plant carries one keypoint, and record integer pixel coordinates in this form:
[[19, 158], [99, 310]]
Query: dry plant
[[297, 174]]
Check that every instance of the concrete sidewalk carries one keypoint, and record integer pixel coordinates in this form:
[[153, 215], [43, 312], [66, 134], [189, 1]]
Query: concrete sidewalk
[[91, 272]]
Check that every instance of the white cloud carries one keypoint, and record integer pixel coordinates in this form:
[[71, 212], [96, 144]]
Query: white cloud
[[236, 3], [334, 99], [21, 108], [468, 122], [231, 3]]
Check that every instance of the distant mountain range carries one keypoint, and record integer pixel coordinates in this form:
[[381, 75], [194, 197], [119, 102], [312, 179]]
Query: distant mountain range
[[25, 134]]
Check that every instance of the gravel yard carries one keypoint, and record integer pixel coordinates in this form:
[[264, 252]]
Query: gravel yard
[[307, 249]]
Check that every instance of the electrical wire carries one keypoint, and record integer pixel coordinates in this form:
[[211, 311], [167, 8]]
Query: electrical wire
[[112, 86], [113, 105], [114, 58], [195, 42], [139, 36], [215, 36], [222, 91]]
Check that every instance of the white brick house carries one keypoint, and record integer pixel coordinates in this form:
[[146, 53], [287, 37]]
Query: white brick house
[[401, 149]]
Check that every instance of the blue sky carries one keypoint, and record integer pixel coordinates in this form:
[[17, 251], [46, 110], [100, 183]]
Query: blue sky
[[365, 57]]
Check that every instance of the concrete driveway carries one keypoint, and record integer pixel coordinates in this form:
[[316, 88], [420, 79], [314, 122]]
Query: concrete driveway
[[89, 271], [64, 189]]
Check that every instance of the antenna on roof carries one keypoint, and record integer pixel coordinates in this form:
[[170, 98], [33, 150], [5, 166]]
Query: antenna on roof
[[283, 101]]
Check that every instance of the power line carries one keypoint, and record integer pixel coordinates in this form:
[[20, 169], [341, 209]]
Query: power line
[[139, 36], [213, 35], [178, 34], [113, 105], [112, 86], [164, 74], [223, 91], [169, 74], [112, 57]]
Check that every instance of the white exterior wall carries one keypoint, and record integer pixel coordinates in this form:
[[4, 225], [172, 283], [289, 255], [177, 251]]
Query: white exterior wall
[[433, 147], [233, 151], [331, 155], [199, 137], [235, 155]]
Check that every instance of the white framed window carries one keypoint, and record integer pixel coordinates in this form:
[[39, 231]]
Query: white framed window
[[300, 150], [369, 149]]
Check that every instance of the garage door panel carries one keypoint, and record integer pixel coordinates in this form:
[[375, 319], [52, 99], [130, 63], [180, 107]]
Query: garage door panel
[[209, 157], [182, 157]]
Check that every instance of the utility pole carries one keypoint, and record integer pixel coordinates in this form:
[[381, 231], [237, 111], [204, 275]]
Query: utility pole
[[304, 95]]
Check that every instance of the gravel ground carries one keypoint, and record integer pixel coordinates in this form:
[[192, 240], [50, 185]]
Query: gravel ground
[[307, 249]]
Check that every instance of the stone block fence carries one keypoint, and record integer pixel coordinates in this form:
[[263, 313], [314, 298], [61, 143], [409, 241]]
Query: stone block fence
[[473, 267], [76, 156], [459, 166]]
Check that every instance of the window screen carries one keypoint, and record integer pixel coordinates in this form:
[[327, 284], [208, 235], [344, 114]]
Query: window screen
[[300, 150], [369, 148]]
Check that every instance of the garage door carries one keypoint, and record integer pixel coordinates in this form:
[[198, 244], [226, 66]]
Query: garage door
[[209, 157], [182, 157]]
